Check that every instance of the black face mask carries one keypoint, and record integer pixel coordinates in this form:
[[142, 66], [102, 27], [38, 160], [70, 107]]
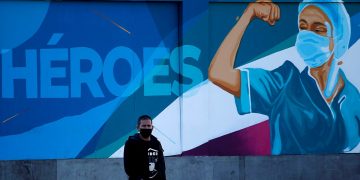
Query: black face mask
[[145, 133]]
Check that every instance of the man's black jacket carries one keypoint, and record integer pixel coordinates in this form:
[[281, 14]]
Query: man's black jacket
[[140, 156]]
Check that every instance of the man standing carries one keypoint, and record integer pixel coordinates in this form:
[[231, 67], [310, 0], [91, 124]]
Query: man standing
[[143, 154]]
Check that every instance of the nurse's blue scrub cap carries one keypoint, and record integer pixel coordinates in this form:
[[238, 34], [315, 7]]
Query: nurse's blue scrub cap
[[340, 20]]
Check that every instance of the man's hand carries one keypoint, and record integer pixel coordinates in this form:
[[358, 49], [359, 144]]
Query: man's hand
[[264, 10]]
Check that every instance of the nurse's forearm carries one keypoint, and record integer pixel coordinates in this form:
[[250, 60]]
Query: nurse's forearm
[[221, 70]]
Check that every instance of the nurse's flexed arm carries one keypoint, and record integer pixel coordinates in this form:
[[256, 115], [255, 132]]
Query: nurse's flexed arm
[[221, 70]]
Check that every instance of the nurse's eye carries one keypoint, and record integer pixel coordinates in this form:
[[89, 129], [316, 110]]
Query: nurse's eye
[[302, 26], [320, 30]]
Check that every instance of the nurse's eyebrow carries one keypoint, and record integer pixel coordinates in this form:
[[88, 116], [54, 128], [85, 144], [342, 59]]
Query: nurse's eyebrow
[[302, 20], [319, 24]]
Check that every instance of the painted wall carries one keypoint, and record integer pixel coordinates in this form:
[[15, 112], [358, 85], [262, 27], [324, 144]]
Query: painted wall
[[76, 75]]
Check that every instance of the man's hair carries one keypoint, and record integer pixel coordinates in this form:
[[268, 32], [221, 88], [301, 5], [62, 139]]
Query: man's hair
[[143, 117]]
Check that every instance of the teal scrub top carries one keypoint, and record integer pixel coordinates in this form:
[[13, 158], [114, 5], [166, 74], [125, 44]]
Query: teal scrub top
[[301, 121]]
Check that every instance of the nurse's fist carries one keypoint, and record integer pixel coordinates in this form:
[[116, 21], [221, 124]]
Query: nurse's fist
[[264, 10]]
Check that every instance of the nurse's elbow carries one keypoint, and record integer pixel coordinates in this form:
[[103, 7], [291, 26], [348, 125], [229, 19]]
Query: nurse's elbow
[[228, 80], [215, 75], [211, 74]]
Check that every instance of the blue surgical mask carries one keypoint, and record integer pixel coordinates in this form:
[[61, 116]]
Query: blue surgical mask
[[313, 48]]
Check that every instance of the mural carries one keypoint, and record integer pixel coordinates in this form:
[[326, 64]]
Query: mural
[[310, 111], [219, 77]]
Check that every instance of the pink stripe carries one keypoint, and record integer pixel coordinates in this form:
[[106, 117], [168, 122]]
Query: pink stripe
[[254, 140]]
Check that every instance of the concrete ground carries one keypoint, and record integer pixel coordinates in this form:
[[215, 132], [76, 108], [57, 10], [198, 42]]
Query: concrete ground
[[292, 167]]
